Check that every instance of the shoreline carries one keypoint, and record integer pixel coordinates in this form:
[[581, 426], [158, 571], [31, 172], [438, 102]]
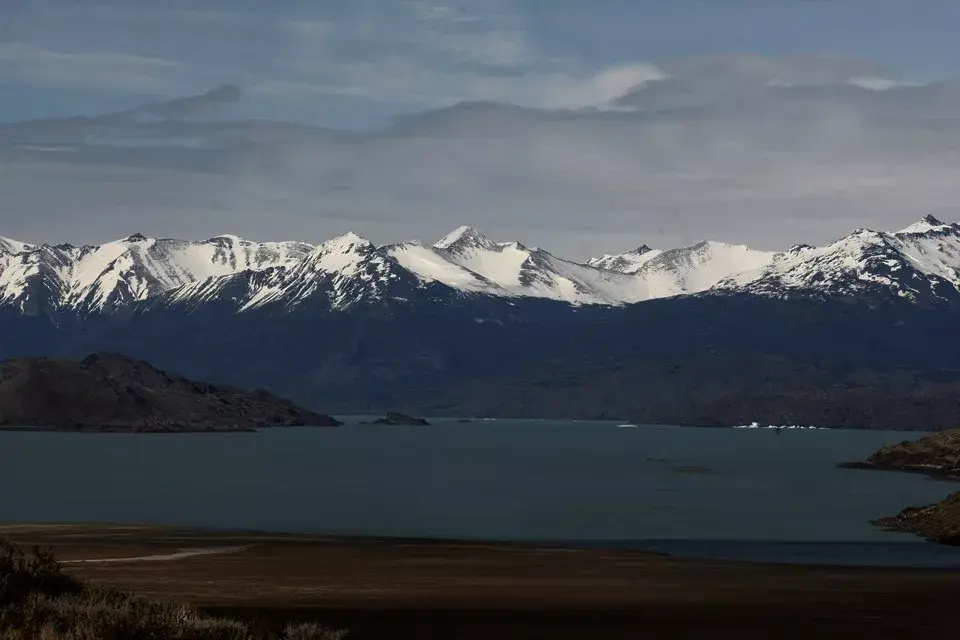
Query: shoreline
[[107, 535], [458, 421], [931, 473], [129, 431]]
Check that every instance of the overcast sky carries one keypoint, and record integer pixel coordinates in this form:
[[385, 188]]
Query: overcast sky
[[582, 127]]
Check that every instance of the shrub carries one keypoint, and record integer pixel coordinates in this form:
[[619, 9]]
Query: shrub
[[312, 631], [39, 573]]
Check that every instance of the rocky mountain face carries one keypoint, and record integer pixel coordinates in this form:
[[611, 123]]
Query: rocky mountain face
[[116, 393]]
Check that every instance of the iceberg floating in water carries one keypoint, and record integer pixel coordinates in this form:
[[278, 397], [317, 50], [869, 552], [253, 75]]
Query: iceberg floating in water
[[755, 425]]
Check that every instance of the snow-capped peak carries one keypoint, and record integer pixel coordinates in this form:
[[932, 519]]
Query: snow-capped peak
[[464, 238], [341, 258], [346, 271], [338, 252], [512, 268], [925, 225], [698, 267], [431, 264], [629, 262], [685, 270]]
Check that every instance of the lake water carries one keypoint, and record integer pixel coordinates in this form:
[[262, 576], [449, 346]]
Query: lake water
[[701, 492]]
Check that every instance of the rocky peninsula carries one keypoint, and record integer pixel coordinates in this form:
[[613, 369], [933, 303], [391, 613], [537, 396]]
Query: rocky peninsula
[[937, 455], [114, 393]]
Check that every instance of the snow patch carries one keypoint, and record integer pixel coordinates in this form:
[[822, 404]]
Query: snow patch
[[9, 245], [432, 264], [755, 425], [629, 262], [699, 267]]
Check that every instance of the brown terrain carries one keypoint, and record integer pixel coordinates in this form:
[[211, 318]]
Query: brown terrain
[[108, 392], [936, 455], [395, 589], [939, 522]]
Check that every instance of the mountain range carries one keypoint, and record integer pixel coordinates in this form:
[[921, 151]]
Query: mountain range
[[920, 263], [468, 325]]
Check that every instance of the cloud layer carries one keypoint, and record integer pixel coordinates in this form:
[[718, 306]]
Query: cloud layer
[[731, 147]]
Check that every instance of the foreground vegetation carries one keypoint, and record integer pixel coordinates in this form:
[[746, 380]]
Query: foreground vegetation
[[41, 601]]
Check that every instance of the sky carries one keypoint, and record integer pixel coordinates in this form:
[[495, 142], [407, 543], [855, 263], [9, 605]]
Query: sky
[[584, 128]]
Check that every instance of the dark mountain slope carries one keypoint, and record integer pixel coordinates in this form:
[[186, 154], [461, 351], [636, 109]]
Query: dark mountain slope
[[710, 360], [732, 360]]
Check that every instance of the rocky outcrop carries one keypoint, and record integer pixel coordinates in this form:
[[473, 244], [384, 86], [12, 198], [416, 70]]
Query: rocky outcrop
[[109, 392], [936, 455]]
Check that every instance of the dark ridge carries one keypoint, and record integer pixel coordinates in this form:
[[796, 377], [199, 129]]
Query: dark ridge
[[111, 392]]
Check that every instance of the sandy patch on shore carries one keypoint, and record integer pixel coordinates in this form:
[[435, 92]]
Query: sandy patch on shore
[[163, 557]]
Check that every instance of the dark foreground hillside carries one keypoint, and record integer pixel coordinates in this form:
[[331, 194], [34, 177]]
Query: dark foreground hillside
[[113, 392]]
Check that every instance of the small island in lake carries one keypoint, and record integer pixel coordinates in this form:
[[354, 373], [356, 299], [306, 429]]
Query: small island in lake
[[115, 393], [396, 418], [937, 455]]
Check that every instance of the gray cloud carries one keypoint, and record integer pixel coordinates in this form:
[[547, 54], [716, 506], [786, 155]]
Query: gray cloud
[[771, 152], [430, 54], [206, 104], [106, 70], [721, 86]]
